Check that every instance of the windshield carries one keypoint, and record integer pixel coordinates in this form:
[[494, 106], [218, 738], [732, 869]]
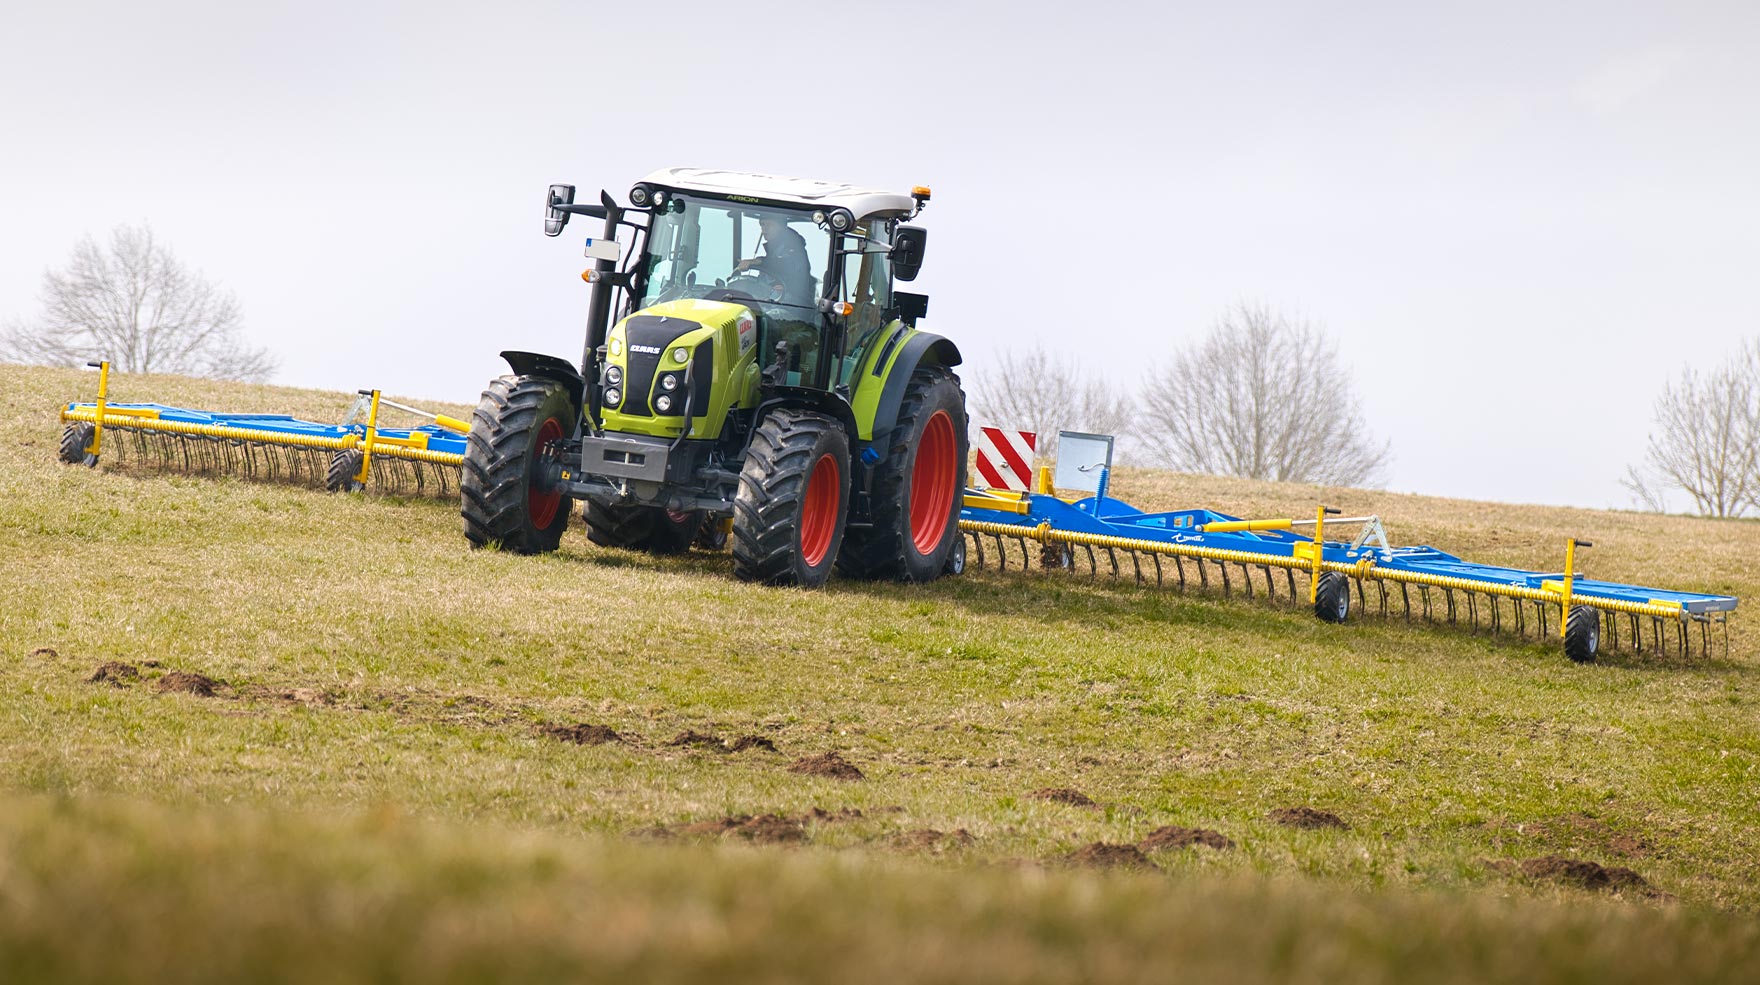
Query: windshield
[[773, 256]]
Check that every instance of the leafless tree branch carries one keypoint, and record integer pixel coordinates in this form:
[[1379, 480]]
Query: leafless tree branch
[[1706, 440], [1031, 390], [1263, 397], [137, 305]]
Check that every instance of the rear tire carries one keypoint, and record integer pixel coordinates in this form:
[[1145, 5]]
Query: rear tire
[[1332, 601], [641, 528], [75, 439], [517, 420], [793, 500], [1582, 634], [917, 487]]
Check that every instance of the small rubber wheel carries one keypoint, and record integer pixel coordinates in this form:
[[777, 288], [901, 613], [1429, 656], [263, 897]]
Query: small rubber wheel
[[75, 439], [1582, 634], [1332, 602], [956, 557], [344, 466]]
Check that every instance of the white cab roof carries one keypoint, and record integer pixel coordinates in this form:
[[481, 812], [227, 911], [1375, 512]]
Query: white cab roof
[[776, 188]]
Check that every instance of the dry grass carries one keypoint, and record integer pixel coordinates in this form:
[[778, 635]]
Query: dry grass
[[369, 665]]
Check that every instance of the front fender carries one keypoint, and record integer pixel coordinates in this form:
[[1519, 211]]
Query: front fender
[[920, 349]]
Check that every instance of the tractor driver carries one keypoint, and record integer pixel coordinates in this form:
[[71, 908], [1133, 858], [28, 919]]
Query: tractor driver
[[784, 261]]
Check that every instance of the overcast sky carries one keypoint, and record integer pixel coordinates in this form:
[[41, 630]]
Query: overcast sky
[[1516, 219]]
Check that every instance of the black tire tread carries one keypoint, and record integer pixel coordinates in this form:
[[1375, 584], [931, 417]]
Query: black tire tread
[[877, 551], [772, 484], [492, 481], [1333, 585], [1581, 634], [75, 439], [344, 466]]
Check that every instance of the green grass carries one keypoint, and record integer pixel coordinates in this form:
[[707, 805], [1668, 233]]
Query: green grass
[[371, 794]]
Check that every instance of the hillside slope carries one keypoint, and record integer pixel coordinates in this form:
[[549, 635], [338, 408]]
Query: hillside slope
[[399, 753]]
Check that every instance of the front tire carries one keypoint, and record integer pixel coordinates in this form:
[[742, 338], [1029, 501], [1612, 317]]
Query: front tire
[[517, 422], [793, 500], [917, 488]]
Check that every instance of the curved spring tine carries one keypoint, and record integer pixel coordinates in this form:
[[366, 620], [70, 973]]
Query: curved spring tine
[[1227, 589], [1247, 578], [1407, 596], [1137, 567], [1290, 573], [1157, 559], [1001, 554], [1203, 576], [1424, 593], [977, 547], [1180, 566], [1093, 562], [1449, 594]]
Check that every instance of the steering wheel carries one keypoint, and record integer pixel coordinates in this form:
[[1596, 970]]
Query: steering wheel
[[757, 285]]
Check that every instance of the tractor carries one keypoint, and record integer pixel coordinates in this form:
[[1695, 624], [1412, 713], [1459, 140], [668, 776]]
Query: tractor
[[762, 383]]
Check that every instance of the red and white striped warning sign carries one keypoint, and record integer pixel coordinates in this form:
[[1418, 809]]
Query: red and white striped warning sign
[[1005, 458]]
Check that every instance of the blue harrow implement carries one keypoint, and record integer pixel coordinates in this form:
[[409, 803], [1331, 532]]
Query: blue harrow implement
[[1202, 548], [352, 455]]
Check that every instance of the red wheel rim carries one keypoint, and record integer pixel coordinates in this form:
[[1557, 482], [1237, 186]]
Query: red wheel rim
[[542, 505], [932, 481], [820, 510]]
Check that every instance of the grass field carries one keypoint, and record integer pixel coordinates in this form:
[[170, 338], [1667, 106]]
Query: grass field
[[382, 785]]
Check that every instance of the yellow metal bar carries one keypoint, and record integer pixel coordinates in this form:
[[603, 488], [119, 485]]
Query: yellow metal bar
[[1363, 569], [1045, 486], [1235, 526], [1564, 599], [1000, 504], [1319, 553], [372, 435], [103, 396], [452, 424]]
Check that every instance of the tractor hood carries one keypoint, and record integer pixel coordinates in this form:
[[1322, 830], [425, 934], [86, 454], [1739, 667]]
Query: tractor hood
[[673, 358]]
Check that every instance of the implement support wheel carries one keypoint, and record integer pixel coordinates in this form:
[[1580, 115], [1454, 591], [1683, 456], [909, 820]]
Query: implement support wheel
[[75, 439], [793, 500], [917, 487], [1332, 603], [504, 500], [1582, 634]]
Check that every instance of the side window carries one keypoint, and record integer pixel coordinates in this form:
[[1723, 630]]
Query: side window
[[714, 253], [867, 278]]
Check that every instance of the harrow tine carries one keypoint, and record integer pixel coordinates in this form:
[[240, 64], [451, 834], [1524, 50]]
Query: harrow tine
[[1093, 562], [1137, 567], [1157, 559]]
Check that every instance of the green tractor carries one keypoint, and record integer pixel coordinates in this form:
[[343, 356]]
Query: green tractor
[[762, 381]]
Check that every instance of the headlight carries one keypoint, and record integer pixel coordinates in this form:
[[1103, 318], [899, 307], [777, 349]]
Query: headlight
[[613, 375], [669, 382], [842, 220], [663, 403], [680, 354], [617, 347], [639, 196], [613, 397], [660, 198]]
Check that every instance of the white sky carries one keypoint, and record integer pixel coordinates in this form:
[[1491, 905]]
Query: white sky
[[1517, 219]]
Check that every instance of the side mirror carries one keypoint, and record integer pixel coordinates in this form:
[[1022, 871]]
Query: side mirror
[[555, 217], [907, 251]]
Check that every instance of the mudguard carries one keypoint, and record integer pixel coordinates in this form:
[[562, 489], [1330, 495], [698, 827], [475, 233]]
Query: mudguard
[[549, 368], [919, 348]]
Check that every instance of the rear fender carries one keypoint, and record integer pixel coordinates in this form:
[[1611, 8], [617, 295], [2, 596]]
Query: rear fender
[[880, 393]]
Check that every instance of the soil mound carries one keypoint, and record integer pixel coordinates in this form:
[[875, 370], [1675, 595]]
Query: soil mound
[[1307, 818], [745, 742], [841, 814], [1579, 872], [829, 765], [703, 739], [1174, 836], [1063, 795], [179, 682], [929, 838], [765, 829], [115, 673], [583, 734], [44, 651], [1101, 855]]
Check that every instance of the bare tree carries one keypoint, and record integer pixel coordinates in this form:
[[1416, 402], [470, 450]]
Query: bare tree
[[1263, 397], [137, 305], [1031, 390], [1705, 440]]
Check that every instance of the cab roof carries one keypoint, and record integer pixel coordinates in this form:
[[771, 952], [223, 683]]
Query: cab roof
[[806, 192]]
